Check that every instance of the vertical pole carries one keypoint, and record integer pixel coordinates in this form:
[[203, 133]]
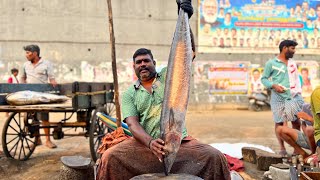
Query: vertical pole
[[114, 64]]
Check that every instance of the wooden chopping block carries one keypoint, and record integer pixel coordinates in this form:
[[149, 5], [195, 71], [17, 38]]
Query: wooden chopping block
[[249, 154], [262, 158]]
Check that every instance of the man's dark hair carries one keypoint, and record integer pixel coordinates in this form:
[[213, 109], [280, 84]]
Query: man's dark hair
[[32, 48], [287, 43], [13, 70], [256, 70], [142, 51], [305, 69]]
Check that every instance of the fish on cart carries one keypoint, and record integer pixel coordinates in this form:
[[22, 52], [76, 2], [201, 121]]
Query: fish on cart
[[33, 97]]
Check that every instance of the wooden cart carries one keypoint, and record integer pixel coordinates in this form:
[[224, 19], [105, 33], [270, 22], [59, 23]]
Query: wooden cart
[[22, 128]]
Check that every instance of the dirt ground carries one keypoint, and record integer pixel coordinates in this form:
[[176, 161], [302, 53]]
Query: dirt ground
[[218, 126]]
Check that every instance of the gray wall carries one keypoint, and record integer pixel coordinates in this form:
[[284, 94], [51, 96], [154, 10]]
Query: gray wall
[[71, 31], [65, 30]]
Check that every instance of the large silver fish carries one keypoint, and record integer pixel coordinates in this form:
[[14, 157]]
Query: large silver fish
[[33, 97], [176, 93]]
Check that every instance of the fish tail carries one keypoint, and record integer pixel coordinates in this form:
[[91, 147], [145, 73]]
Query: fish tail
[[166, 171]]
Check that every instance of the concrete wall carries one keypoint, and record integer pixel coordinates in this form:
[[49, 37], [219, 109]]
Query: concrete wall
[[66, 30], [72, 31]]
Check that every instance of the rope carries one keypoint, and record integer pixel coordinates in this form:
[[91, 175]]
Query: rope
[[76, 93], [87, 93]]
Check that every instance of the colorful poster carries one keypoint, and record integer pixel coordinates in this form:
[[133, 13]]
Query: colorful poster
[[255, 84], [228, 78], [309, 76], [257, 26]]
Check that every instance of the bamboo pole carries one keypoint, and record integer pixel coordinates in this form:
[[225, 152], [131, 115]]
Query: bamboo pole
[[114, 64]]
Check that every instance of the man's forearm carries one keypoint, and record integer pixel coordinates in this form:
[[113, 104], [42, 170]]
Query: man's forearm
[[310, 118], [139, 133], [268, 84]]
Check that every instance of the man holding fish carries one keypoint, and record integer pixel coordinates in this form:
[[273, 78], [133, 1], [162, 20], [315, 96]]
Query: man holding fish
[[143, 107], [39, 71]]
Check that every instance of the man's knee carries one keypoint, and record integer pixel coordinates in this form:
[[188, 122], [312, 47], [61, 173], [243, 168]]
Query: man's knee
[[280, 129], [108, 155], [278, 125], [215, 154], [309, 131], [284, 131]]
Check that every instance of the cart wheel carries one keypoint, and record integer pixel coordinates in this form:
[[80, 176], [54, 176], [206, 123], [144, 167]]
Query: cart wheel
[[97, 131], [257, 107], [17, 141], [110, 109]]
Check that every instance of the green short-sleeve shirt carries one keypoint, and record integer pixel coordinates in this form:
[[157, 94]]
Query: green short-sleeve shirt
[[276, 72], [137, 101], [315, 108]]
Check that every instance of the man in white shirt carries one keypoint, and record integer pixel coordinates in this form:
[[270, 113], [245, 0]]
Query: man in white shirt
[[39, 71]]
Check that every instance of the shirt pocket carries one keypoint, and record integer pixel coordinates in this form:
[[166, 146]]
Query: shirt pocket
[[143, 101], [158, 96], [157, 99]]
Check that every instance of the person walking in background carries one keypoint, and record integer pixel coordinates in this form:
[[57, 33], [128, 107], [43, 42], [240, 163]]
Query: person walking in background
[[39, 71], [282, 77], [13, 79]]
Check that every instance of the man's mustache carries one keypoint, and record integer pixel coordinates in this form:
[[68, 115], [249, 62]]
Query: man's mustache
[[143, 69]]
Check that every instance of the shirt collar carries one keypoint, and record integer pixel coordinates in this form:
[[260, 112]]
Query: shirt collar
[[39, 62], [277, 59], [137, 84]]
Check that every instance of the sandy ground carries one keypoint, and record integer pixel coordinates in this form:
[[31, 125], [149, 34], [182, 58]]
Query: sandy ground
[[219, 126]]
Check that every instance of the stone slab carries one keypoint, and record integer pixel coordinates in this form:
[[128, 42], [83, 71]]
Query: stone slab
[[162, 176], [279, 174], [76, 162], [281, 166]]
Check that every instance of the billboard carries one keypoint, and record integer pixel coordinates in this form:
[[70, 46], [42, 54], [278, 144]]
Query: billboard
[[222, 78], [257, 26]]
